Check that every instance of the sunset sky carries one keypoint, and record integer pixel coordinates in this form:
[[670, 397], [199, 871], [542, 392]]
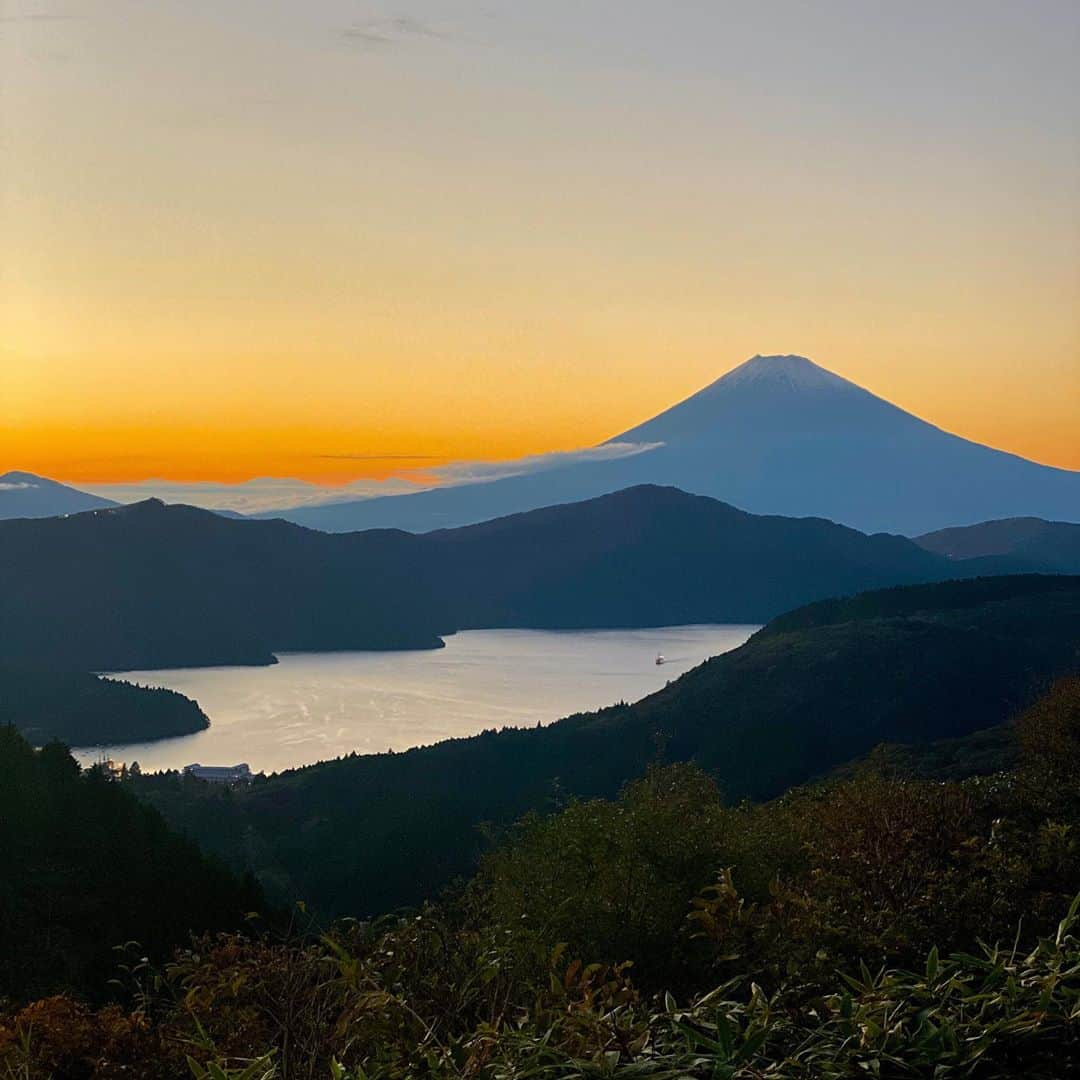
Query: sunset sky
[[334, 240]]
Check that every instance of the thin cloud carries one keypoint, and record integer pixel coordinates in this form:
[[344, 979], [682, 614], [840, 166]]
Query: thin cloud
[[284, 493], [410, 26], [393, 30], [377, 457], [367, 37], [250, 496], [41, 17], [473, 472]]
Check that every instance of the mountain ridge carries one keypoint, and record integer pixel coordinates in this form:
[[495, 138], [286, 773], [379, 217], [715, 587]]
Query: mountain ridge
[[1049, 545], [155, 586]]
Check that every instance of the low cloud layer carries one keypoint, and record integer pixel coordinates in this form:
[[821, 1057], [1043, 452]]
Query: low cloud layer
[[251, 496], [276, 493], [472, 472]]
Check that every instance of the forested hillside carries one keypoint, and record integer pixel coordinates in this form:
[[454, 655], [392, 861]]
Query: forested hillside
[[149, 586], [810, 691], [82, 709], [87, 867]]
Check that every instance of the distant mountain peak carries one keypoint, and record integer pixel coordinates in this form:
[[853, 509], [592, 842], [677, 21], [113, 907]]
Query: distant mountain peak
[[788, 371], [21, 478], [27, 495]]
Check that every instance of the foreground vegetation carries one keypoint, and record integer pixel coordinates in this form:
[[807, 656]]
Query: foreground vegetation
[[85, 866], [875, 925]]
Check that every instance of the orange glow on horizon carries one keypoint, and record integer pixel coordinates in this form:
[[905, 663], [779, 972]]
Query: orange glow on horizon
[[229, 444], [232, 258]]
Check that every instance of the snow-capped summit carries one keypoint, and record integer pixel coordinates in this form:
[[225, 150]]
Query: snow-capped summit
[[790, 371], [781, 395]]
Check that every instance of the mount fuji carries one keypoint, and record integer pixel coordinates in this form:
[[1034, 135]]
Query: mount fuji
[[777, 435], [24, 495]]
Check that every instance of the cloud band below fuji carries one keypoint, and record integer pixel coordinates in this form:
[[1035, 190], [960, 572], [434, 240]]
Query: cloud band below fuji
[[264, 494]]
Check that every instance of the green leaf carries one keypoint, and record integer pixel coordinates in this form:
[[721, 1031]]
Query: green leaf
[[932, 965]]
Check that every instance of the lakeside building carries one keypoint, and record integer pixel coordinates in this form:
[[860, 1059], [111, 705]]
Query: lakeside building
[[220, 774]]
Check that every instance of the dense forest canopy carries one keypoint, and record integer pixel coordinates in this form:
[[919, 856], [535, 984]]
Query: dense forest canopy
[[87, 867]]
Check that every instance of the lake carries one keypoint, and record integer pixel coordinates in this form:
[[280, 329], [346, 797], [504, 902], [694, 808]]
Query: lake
[[313, 706]]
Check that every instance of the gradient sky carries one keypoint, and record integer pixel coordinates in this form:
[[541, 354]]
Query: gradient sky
[[334, 240]]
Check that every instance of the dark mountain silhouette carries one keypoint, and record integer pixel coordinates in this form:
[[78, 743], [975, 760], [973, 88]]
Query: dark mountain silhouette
[[1052, 546], [24, 495], [813, 689], [150, 585], [655, 556], [778, 435], [81, 709]]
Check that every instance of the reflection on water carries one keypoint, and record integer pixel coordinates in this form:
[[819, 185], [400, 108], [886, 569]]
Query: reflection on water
[[314, 706]]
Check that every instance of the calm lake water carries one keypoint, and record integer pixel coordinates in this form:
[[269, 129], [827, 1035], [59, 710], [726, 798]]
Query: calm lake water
[[313, 706]]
